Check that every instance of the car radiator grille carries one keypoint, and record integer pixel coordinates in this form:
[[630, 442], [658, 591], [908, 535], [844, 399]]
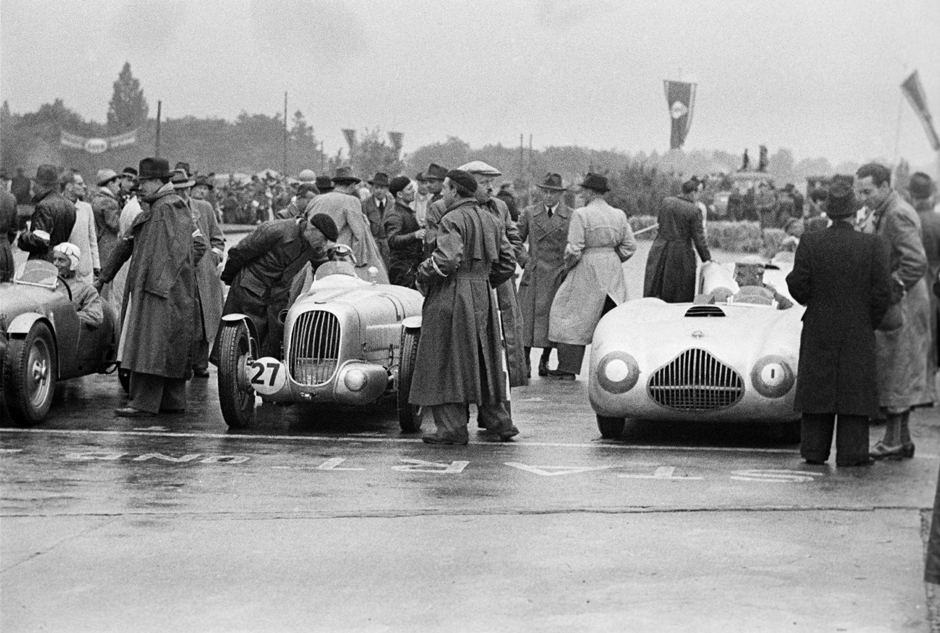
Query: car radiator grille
[[314, 348], [695, 381]]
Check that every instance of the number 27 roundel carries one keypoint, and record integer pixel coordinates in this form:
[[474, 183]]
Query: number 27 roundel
[[267, 375]]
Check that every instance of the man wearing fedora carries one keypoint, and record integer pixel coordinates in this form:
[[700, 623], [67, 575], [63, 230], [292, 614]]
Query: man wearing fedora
[[375, 207], [670, 267], [83, 233], [343, 206], [545, 226], [159, 331], [53, 216], [434, 175], [599, 241], [843, 278]]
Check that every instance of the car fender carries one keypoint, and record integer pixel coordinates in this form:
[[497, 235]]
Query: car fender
[[235, 317], [411, 323], [23, 323]]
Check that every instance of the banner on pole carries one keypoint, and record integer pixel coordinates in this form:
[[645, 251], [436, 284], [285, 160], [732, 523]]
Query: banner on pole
[[350, 138], [396, 140], [914, 91], [680, 97], [97, 145]]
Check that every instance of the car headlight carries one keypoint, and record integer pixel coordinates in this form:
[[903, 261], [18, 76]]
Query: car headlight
[[618, 372], [355, 379], [772, 376]]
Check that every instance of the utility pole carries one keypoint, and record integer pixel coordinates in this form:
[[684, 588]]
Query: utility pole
[[284, 172], [521, 158], [156, 150]]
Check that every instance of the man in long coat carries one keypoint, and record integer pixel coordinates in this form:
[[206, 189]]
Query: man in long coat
[[843, 278], [343, 206], [261, 268], [599, 241], [460, 355], [903, 338], [921, 190], [160, 315], [545, 227], [107, 211], [670, 267], [7, 231], [53, 217]]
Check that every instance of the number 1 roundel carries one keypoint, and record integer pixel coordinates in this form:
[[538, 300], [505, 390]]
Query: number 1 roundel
[[268, 375]]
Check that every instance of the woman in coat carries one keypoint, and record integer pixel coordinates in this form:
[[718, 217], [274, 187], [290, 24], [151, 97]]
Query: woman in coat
[[599, 241]]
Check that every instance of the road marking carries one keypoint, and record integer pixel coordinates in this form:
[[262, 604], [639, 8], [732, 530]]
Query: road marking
[[109, 456], [11, 450], [775, 475], [419, 466], [167, 458], [333, 463], [151, 428], [405, 440], [663, 472], [553, 471]]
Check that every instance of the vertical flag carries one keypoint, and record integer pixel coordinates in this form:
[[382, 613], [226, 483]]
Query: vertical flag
[[680, 97], [350, 137], [914, 91], [396, 140]]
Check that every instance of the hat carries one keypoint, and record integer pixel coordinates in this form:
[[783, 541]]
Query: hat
[[398, 184], [840, 202], [595, 182], [181, 179], [306, 175], [435, 172], [344, 176], [479, 168], [105, 176], [463, 178], [206, 181], [154, 168], [47, 175], [129, 172], [326, 225], [184, 166], [324, 184], [920, 185], [420, 177], [380, 179], [751, 260], [71, 251], [552, 181]]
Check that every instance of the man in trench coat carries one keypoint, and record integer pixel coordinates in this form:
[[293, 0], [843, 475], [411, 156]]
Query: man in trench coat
[[842, 277], [160, 315], [921, 189], [903, 338], [545, 227], [670, 267], [460, 355]]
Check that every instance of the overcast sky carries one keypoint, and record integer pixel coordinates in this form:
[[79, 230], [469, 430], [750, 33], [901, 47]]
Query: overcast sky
[[820, 77]]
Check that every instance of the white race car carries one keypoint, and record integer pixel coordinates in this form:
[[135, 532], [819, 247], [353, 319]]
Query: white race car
[[724, 360]]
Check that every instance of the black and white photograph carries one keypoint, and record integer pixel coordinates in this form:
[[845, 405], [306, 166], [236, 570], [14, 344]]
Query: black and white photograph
[[421, 316]]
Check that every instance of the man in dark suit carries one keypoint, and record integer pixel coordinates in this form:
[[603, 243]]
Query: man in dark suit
[[843, 278], [375, 207]]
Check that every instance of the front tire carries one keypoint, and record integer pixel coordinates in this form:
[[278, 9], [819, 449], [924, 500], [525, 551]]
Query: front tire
[[610, 428], [237, 402], [409, 415], [30, 368]]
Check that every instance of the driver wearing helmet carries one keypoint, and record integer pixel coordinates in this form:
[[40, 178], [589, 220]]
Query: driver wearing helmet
[[85, 298]]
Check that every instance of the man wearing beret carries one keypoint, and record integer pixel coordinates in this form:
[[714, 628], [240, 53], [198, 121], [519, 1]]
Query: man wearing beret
[[158, 334], [842, 277], [460, 355], [53, 217], [261, 268], [903, 338], [405, 236]]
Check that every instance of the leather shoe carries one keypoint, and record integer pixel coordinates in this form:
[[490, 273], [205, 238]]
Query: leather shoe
[[200, 373], [131, 412], [554, 374], [864, 462], [815, 462], [882, 451], [908, 451], [434, 438], [507, 436], [173, 411], [543, 368]]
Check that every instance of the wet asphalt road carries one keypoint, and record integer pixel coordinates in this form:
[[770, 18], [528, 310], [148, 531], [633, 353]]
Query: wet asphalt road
[[335, 520]]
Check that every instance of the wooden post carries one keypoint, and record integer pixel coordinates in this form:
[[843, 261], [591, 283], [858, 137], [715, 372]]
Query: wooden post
[[284, 172]]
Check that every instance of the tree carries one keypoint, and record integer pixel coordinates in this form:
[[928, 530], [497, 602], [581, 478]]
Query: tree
[[128, 108]]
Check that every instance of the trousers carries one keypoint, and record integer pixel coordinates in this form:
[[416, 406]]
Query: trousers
[[156, 393], [851, 437], [451, 419]]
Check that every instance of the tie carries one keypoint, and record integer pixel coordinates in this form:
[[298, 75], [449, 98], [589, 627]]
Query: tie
[[549, 212]]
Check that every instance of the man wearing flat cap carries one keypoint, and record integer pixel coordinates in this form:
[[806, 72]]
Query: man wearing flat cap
[[375, 208], [261, 268], [599, 241], [460, 356], [53, 216], [343, 206], [106, 209], [405, 236], [158, 333], [843, 278], [922, 191], [670, 267], [544, 226]]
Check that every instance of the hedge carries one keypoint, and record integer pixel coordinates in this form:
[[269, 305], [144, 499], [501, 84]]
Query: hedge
[[737, 237]]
